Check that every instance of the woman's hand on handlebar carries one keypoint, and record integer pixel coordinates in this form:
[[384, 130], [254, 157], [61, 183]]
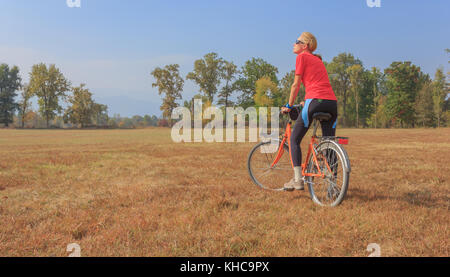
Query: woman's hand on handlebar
[[285, 110]]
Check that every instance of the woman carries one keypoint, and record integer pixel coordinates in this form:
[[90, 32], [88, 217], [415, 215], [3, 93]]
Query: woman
[[309, 70]]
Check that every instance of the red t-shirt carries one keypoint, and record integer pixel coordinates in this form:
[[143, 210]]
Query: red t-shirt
[[314, 77]]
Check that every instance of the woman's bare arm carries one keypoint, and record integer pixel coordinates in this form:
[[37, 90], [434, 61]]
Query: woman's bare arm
[[294, 89]]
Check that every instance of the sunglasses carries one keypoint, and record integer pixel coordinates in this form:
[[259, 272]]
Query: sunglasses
[[299, 41]]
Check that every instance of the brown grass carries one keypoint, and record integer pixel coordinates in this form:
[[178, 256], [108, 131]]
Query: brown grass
[[135, 193]]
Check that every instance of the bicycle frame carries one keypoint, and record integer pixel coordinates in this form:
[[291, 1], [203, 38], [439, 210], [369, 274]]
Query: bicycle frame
[[287, 136]]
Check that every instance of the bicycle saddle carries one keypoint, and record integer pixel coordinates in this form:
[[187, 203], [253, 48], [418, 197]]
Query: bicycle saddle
[[322, 116]]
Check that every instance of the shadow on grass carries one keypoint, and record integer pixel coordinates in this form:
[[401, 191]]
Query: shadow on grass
[[422, 198]]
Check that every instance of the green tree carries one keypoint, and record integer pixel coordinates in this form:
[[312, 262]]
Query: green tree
[[190, 103], [403, 82], [355, 73], [205, 103], [447, 101], [138, 121], [448, 74], [100, 114], [81, 110], [265, 89], [49, 85], [229, 72], [424, 106], [439, 95], [24, 104], [382, 118], [10, 81], [150, 120], [207, 74], [126, 123], [265, 92], [252, 71], [169, 83], [340, 80], [377, 78], [112, 123]]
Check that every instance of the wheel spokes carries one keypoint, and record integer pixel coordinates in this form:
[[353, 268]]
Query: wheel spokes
[[263, 173], [327, 190]]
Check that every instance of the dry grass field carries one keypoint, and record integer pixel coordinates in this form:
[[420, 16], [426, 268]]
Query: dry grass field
[[136, 193]]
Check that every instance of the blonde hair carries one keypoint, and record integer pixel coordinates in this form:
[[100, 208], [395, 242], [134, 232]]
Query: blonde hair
[[311, 41]]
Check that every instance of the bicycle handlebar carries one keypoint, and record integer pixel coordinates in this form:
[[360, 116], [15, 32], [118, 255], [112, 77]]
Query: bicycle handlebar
[[294, 112], [299, 107]]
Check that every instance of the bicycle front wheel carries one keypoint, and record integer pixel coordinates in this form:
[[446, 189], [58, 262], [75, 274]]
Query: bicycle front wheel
[[260, 168], [331, 189]]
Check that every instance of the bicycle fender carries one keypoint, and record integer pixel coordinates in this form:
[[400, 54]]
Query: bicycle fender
[[342, 151]]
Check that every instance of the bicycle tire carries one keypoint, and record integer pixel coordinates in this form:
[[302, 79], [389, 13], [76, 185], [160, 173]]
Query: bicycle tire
[[276, 183], [331, 186]]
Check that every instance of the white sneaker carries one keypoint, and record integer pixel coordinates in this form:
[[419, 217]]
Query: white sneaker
[[291, 185]]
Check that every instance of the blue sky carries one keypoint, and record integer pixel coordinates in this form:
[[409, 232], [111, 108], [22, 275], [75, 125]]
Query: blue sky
[[113, 45]]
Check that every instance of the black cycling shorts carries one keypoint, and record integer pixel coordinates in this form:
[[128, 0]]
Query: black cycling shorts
[[304, 121]]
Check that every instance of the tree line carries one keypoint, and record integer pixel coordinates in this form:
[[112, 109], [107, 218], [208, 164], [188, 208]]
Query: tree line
[[401, 95], [52, 89]]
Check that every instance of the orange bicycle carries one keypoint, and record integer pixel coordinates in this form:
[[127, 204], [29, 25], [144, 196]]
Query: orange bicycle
[[326, 169]]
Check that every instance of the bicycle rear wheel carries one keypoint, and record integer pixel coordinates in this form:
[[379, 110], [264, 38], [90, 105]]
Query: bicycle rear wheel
[[330, 190], [259, 167]]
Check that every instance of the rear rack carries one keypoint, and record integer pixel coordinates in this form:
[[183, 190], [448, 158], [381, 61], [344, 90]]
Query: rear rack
[[340, 140]]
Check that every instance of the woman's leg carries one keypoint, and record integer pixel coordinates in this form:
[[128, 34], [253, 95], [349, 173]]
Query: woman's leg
[[296, 154], [300, 128], [302, 125], [329, 129]]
